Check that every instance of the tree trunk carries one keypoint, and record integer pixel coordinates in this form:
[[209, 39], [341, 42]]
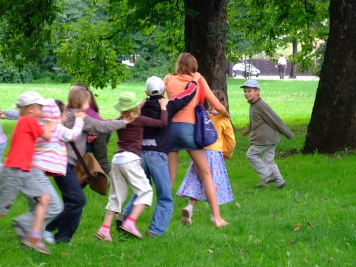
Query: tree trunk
[[229, 67], [205, 38], [333, 122], [292, 68]]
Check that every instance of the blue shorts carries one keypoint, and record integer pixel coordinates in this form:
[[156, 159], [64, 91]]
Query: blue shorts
[[183, 137]]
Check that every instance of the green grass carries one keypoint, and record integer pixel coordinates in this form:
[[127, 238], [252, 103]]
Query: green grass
[[319, 193]]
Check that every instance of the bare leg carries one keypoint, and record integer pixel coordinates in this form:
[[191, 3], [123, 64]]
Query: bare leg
[[201, 162], [192, 201], [173, 166], [109, 217], [40, 213], [137, 210], [1, 215]]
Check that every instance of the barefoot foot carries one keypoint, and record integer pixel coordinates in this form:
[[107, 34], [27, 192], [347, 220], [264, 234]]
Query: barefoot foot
[[220, 222]]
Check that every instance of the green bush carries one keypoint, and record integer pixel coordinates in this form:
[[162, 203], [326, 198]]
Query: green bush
[[144, 69], [9, 74]]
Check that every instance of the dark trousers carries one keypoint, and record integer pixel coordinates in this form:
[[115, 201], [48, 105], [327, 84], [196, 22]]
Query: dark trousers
[[74, 200], [281, 70]]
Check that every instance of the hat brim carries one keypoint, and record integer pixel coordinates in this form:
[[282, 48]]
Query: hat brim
[[118, 107]]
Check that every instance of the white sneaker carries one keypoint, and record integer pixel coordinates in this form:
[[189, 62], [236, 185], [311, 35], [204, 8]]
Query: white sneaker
[[48, 237]]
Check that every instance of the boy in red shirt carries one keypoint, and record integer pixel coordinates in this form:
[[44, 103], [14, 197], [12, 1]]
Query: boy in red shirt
[[16, 175]]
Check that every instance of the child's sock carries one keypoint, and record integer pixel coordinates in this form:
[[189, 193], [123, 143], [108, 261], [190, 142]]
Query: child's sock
[[130, 221], [34, 234], [105, 228], [190, 206]]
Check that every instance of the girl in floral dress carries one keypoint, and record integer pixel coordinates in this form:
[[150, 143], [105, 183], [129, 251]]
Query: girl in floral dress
[[192, 186]]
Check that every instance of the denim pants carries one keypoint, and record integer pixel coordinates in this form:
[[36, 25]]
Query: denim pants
[[155, 166], [264, 166], [74, 200]]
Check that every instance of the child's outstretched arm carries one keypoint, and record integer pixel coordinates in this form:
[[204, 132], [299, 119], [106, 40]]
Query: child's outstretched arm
[[10, 114], [67, 135], [276, 123], [179, 101], [162, 122]]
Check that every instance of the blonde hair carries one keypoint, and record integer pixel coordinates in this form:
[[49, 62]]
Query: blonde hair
[[220, 95], [186, 64], [77, 95], [130, 114]]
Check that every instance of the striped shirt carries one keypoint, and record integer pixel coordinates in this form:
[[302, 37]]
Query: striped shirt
[[51, 156]]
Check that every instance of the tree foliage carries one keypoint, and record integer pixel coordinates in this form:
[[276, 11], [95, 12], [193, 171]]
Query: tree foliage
[[268, 24], [24, 29]]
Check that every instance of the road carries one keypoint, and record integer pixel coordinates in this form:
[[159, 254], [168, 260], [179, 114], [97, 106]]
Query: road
[[286, 78]]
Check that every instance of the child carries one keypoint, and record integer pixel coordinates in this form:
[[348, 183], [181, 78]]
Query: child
[[264, 127], [3, 141], [50, 158], [155, 147], [16, 175], [192, 186], [126, 166], [73, 197]]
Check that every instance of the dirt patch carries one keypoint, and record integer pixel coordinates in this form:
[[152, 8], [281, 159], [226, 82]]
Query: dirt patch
[[285, 154]]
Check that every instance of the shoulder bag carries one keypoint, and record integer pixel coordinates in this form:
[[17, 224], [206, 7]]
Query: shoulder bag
[[89, 171], [204, 132]]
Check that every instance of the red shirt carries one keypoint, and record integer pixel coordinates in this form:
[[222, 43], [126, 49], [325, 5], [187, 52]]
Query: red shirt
[[26, 131]]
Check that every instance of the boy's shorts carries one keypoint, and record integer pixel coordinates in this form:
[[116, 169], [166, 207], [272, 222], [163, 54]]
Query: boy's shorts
[[14, 181]]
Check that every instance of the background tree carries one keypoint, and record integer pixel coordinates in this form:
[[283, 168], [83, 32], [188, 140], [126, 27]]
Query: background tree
[[23, 29], [269, 24], [333, 121], [205, 38]]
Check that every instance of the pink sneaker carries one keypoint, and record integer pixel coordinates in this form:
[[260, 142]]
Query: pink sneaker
[[104, 235], [131, 228]]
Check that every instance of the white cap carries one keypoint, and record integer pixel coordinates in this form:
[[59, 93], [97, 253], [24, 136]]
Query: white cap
[[30, 98], [154, 85]]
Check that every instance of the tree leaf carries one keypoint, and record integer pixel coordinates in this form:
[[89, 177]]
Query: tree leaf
[[296, 227]]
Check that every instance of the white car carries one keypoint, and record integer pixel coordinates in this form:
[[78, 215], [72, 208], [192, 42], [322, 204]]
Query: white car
[[249, 68]]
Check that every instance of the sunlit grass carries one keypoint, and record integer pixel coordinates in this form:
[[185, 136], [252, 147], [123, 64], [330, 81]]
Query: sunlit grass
[[320, 196]]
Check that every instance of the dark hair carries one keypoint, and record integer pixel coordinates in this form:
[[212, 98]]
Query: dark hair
[[92, 102], [60, 105]]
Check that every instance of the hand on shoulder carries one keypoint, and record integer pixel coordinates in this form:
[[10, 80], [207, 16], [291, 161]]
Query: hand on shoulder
[[80, 114], [163, 102]]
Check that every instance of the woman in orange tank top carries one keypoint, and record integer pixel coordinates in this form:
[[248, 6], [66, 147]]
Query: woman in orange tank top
[[183, 129]]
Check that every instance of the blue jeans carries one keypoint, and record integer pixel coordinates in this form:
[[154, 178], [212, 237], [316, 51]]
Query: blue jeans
[[155, 166], [74, 200], [2, 149]]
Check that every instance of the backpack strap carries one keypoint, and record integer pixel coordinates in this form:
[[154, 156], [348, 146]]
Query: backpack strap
[[80, 158], [201, 94]]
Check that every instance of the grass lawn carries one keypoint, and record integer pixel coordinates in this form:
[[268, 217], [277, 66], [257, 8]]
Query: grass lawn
[[318, 203]]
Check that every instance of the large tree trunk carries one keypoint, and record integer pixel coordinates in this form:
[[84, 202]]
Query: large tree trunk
[[295, 51], [333, 122], [205, 38]]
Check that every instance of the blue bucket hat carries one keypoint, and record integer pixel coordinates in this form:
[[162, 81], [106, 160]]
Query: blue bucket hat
[[251, 83]]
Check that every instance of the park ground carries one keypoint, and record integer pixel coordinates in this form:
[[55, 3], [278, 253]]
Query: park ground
[[309, 223]]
